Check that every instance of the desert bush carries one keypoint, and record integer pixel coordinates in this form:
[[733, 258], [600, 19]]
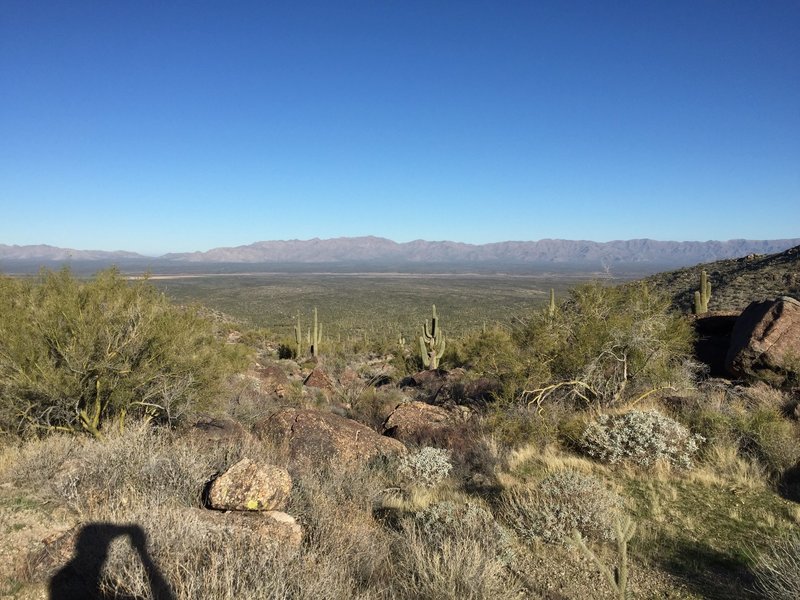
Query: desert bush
[[200, 563], [442, 521], [140, 466], [641, 438], [603, 340], [458, 568], [769, 437], [777, 570], [562, 502], [336, 509], [75, 355], [427, 467], [472, 454], [489, 353]]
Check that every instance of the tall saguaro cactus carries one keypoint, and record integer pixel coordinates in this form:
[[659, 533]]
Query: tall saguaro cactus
[[432, 342], [316, 336], [702, 297], [298, 337]]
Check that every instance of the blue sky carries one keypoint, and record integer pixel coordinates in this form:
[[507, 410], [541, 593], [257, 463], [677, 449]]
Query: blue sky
[[175, 126]]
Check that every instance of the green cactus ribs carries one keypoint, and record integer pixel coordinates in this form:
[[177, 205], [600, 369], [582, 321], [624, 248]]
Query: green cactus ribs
[[702, 296], [432, 342]]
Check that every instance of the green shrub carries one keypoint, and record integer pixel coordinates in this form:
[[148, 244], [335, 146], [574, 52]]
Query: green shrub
[[563, 502], [76, 355], [604, 340], [769, 437], [641, 438]]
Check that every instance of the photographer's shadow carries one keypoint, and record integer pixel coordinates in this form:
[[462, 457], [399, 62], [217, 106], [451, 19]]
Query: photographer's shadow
[[80, 578]]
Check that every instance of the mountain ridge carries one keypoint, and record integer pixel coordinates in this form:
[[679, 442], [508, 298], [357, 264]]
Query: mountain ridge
[[373, 249]]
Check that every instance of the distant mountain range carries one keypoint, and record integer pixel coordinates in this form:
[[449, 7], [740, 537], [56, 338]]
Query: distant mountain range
[[375, 250]]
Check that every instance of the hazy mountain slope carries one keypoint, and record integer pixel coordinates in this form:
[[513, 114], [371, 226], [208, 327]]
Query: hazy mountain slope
[[52, 253], [735, 283], [374, 249], [379, 251]]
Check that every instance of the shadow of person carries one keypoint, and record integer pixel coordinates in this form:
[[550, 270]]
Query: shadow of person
[[80, 578]]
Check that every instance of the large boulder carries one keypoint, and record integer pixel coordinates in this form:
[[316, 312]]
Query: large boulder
[[319, 379], [416, 421], [315, 437], [250, 486], [765, 343], [273, 381]]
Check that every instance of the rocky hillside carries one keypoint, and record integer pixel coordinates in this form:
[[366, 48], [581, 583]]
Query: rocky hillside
[[735, 282]]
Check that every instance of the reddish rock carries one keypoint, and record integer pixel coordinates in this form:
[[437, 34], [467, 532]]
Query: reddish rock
[[765, 343], [411, 420], [250, 486], [314, 437], [273, 380], [319, 379]]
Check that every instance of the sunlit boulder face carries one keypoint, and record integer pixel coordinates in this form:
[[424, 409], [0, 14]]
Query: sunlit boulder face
[[250, 486], [765, 343], [314, 437]]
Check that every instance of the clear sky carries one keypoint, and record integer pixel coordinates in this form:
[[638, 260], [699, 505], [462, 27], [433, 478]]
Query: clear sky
[[173, 126]]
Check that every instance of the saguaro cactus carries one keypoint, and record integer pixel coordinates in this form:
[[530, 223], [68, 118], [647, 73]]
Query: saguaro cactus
[[298, 336], [316, 336], [432, 342], [702, 297], [551, 309]]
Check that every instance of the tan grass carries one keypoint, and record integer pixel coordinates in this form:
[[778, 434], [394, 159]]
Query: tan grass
[[550, 459], [725, 466]]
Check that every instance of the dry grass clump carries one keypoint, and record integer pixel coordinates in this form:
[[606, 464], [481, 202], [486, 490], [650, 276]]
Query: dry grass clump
[[199, 563], [778, 570], [455, 569]]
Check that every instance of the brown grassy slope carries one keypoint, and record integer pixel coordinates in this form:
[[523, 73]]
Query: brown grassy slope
[[735, 282]]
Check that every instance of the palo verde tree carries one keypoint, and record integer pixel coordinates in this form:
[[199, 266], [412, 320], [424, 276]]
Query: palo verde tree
[[602, 340], [76, 356]]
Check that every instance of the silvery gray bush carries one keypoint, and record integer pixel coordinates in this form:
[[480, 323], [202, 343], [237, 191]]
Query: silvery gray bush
[[427, 467], [563, 502], [641, 438]]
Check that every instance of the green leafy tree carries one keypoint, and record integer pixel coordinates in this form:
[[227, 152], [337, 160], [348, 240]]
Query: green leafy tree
[[604, 339], [76, 356]]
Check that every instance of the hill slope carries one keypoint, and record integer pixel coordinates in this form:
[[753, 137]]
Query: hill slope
[[735, 282]]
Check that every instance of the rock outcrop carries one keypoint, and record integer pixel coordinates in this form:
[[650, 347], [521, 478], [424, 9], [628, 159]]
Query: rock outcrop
[[315, 437], [250, 486], [765, 343], [319, 379], [413, 421], [273, 381]]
